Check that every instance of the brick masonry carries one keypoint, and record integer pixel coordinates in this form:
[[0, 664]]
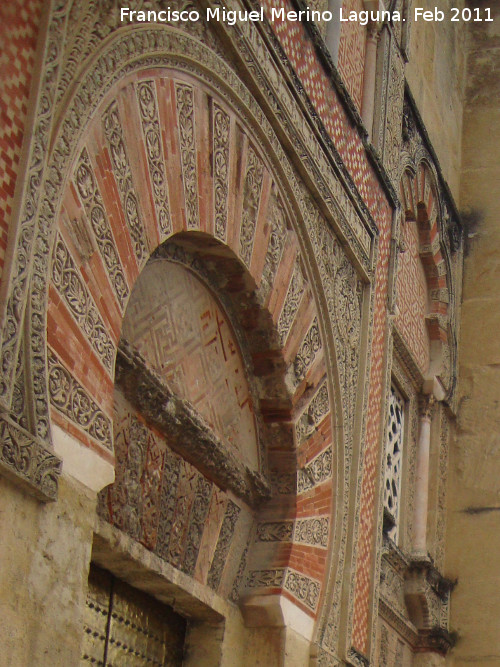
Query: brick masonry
[[412, 296], [20, 21]]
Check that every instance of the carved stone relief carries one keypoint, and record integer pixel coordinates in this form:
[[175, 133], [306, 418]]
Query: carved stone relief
[[392, 588], [392, 134], [276, 245], [345, 320], [25, 460], [274, 531], [221, 139], [187, 139], [307, 352], [312, 531], [238, 580], [168, 494], [70, 285], [32, 192], [92, 90], [69, 398], [19, 396], [314, 414], [148, 106], [303, 588], [165, 503], [199, 511], [293, 298], [90, 85], [266, 578], [223, 544], [316, 472], [252, 189], [85, 181], [123, 175]]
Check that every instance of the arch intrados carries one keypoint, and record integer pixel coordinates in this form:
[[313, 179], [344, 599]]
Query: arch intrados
[[245, 108]]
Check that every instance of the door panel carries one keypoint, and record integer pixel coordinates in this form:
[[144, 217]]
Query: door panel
[[125, 627]]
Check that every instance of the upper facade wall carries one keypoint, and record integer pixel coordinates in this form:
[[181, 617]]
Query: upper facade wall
[[436, 76]]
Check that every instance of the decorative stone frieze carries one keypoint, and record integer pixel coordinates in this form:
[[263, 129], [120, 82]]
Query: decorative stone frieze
[[88, 190], [316, 472], [187, 140], [123, 175], [71, 286], [314, 414], [221, 139], [274, 531], [223, 544], [313, 531], [307, 352], [72, 400], [186, 430], [27, 461], [252, 189], [148, 106], [303, 588]]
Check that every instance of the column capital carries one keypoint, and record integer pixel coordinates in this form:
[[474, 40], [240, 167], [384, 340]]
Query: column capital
[[426, 403], [373, 30]]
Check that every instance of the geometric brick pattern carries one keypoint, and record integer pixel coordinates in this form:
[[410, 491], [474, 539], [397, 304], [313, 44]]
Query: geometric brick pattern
[[420, 203], [368, 509], [412, 296], [20, 21], [301, 52], [351, 58]]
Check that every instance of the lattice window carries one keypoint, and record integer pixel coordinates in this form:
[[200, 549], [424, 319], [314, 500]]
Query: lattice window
[[393, 462]]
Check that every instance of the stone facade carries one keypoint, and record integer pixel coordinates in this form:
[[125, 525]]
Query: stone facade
[[229, 262]]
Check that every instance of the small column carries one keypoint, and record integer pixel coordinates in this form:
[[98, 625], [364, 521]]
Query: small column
[[368, 104], [426, 405]]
